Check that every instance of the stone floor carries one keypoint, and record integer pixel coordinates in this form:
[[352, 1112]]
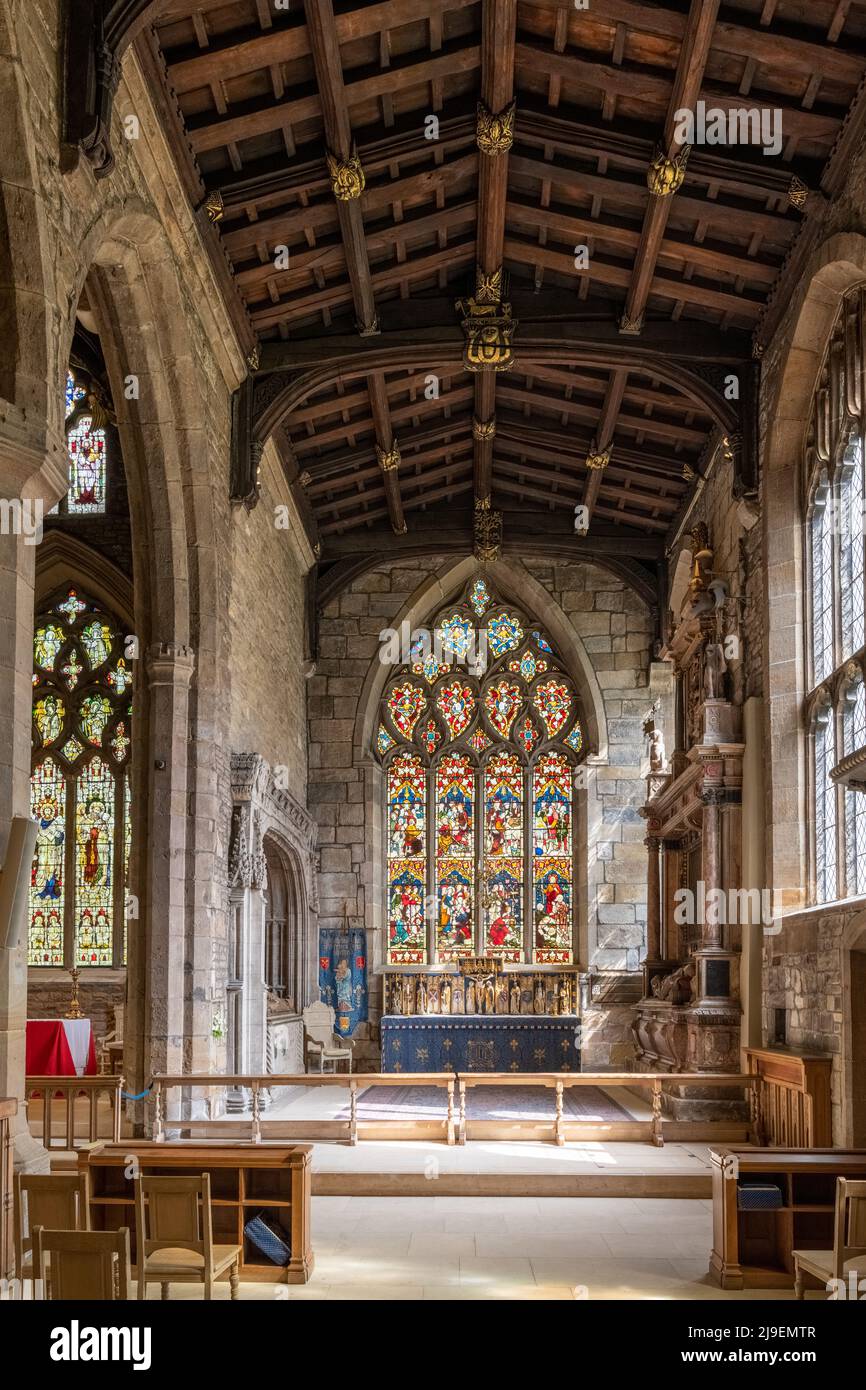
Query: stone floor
[[445, 1248]]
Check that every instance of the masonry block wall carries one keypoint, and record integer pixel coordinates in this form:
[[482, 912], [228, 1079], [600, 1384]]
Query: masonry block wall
[[345, 787]]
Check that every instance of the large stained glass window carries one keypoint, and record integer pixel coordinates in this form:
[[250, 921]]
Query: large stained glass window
[[834, 708], [80, 794], [479, 735]]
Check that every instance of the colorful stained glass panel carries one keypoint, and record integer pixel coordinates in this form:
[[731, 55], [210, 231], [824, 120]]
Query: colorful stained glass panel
[[501, 702], [553, 702], [478, 741], [384, 741], [86, 447], [48, 809], [430, 737], [455, 855], [94, 713], [456, 703], [407, 859], [120, 679], [48, 714], [405, 704], [479, 596], [504, 633], [575, 739], [94, 865], [96, 640], [454, 635], [552, 858], [71, 670], [46, 644]]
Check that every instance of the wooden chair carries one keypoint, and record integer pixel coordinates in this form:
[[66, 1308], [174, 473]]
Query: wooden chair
[[322, 1042], [87, 1266], [57, 1201], [849, 1241], [174, 1236], [110, 1047]]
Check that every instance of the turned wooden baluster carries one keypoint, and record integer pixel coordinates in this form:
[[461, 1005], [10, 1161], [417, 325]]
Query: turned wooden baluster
[[560, 1137], [449, 1119], [257, 1115], [353, 1112], [461, 1124], [658, 1138], [158, 1130]]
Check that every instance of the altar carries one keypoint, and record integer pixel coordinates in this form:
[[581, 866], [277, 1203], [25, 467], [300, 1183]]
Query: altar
[[480, 1042]]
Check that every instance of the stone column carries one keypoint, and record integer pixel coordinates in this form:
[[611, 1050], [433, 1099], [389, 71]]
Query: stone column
[[712, 797], [27, 472], [653, 900], [159, 988]]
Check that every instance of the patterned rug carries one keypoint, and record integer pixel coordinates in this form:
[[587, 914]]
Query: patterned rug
[[487, 1103]]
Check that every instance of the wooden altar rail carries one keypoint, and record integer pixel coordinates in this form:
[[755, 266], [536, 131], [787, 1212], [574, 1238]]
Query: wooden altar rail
[[455, 1127], [8, 1109], [66, 1091]]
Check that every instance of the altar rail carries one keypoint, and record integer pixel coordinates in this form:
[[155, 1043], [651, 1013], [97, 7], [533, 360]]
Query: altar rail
[[455, 1127], [78, 1099]]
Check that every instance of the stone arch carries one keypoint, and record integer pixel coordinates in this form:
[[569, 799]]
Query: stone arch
[[136, 296], [835, 266], [27, 317], [285, 890], [513, 581], [853, 951], [680, 582]]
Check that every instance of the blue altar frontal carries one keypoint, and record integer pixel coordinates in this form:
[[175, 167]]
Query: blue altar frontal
[[480, 1042]]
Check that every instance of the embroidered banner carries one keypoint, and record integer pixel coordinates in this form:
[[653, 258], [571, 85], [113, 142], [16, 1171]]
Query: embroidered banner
[[343, 975]]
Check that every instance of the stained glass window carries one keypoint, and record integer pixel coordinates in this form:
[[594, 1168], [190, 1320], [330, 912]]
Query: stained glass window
[[87, 448], [851, 546], [455, 856], [479, 777], [81, 798], [407, 859]]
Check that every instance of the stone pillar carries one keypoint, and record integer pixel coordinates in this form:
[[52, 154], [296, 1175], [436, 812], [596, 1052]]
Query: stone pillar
[[754, 868], [26, 472], [159, 987], [711, 927], [653, 900]]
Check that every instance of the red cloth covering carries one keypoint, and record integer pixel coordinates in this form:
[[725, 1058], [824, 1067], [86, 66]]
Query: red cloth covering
[[48, 1051]]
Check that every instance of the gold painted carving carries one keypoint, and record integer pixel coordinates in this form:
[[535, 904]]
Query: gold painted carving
[[798, 193], [347, 177], [483, 429], [389, 459], [488, 531], [494, 135], [665, 176]]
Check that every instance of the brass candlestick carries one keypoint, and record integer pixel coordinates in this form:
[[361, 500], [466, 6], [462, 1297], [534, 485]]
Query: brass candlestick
[[75, 1010]]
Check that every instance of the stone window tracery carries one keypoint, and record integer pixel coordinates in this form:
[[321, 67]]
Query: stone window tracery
[[836, 706], [479, 733]]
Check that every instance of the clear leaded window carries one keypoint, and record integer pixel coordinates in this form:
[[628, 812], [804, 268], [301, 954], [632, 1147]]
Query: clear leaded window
[[836, 705], [79, 788], [479, 735]]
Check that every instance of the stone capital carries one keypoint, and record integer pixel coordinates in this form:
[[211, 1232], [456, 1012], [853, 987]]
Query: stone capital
[[169, 663], [31, 465]]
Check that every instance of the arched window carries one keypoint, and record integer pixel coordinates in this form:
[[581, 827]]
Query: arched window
[[87, 445], [479, 734], [80, 795], [836, 706]]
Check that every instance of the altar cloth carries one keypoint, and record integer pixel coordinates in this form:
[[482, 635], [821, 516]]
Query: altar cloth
[[60, 1047], [480, 1042]]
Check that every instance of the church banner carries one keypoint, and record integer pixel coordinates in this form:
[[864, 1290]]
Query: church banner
[[343, 975]]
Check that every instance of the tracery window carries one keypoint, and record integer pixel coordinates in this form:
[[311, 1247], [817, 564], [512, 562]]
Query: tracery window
[[80, 795], [479, 734], [87, 447], [836, 705]]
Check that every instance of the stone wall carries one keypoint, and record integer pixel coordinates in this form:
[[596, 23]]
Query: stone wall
[[345, 788], [805, 973], [48, 996]]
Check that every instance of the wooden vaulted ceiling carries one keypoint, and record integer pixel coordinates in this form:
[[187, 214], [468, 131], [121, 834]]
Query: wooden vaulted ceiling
[[263, 92]]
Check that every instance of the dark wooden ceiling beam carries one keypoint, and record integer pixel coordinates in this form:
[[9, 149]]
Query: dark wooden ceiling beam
[[386, 448], [799, 54], [412, 464], [691, 66], [519, 435], [411, 504], [325, 50], [538, 400], [603, 441], [498, 35], [457, 399], [251, 51], [209, 134]]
